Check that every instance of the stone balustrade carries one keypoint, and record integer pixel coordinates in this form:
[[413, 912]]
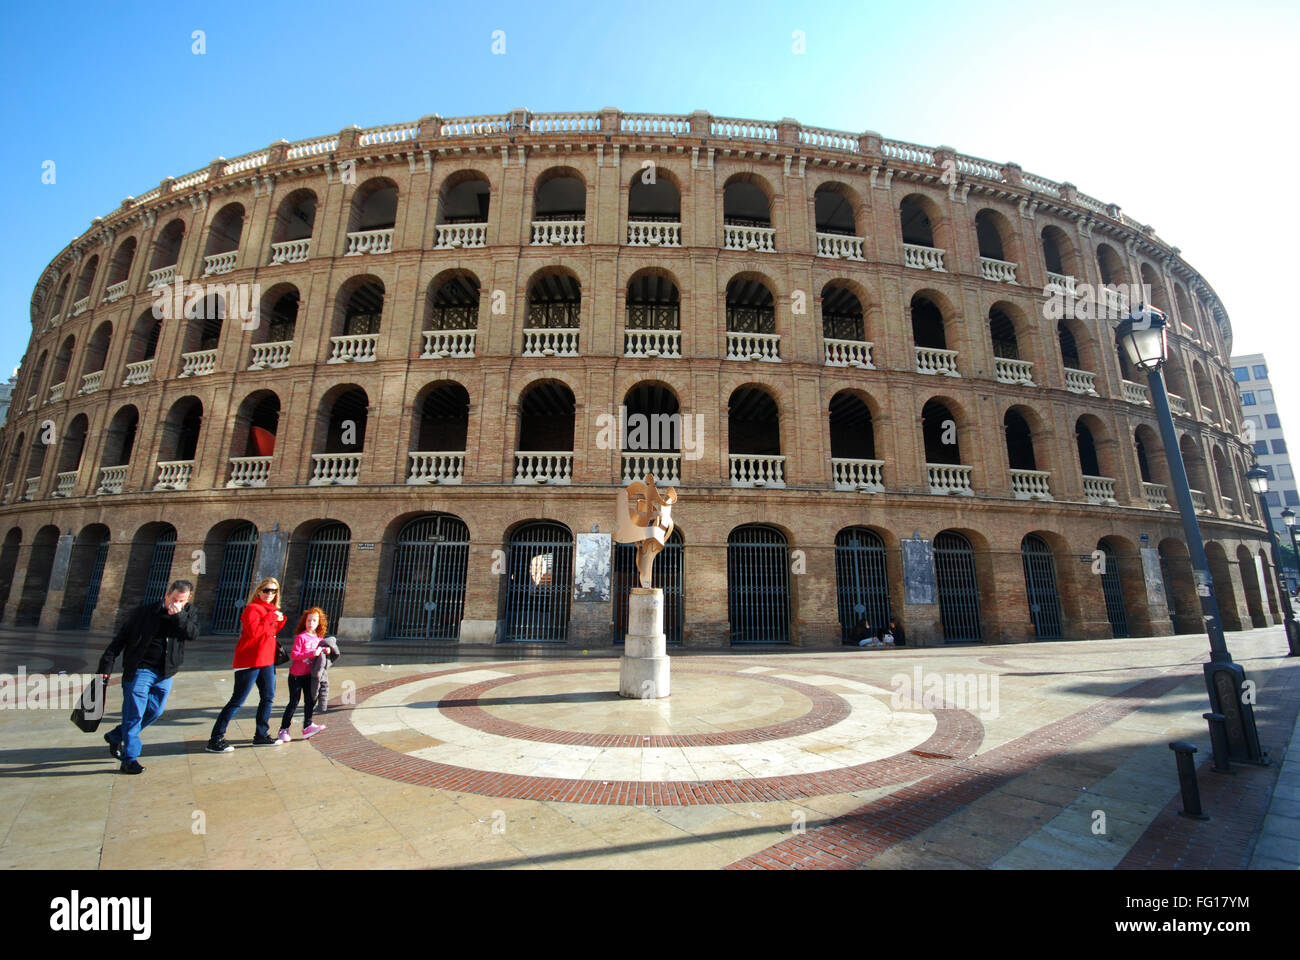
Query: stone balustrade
[[199, 363], [115, 291], [31, 403], [649, 233], [9, 492], [80, 306], [354, 348], [933, 361], [923, 258], [1031, 484], [865, 476], [436, 467], [544, 466], [1100, 490], [162, 275], [754, 239], [949, 478], [138, 372], [1177, 405], [1081, 381], [664, 467], [551, 342], [839, 247], [751, 470], [291, 251], [269, 356], [848, 353], [459, 236], [1156, 495], [219, 263], [999, 271], [64, 483], [1136, 393], [111, 479], [249, 471], [330, 469], [754, 346], [1061, 281], [1200, 503], [562, 233], [654, 344], [91, 382], [369, 241], [1229, 507], [1014, 371], [174, 474], [448, 343], [29, 487], [56, 391]]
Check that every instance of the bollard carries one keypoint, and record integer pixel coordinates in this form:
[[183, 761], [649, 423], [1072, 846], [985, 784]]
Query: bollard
[[1187, 780], [1219, 742]]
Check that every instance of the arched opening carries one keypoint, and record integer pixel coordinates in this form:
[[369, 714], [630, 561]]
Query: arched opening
[[745, 203], [656, 202], [60, 298], [69, 463], [374, 207], [452, 303], [180, 433], [119, 439], [426, 592], [8, 561], [958, 589], [1059, 253], [317, 571], [295, 221], [546, 417], [1250, 586], [939, 430], [750, 306], [1040, 588], [273, 338], [853, 445], [1180, 594], [84, 284], [148, 567], [360, 309], [1089, 464], [988, 234], [85, 573], [843, 327], [833, 210], [917, 225], [666, 574], [930, 338], [754, 439], [1224, 592], [96, 356], [203, 325], [230, 548], [652, 439], [465, 197], [223, 238], [560, 195], [653, 302], [119, 268], [37, 583], [167, 247], [439, 434], [758, 585], [62, 360], [143, 347], [554, 314], [539, 583], [1113, 590], [1198, 476], [253, 439], [861, 583]]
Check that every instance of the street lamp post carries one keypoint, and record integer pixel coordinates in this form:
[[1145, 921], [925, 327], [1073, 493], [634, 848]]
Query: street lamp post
[[1143, 338], [1257, 476], [1288, 518]]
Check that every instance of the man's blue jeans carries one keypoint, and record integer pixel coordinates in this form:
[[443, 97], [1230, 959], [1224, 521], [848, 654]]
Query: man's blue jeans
[[144, 696], [264, 677]]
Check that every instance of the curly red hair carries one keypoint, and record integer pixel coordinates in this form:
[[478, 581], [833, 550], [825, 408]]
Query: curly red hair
[[322, 625]]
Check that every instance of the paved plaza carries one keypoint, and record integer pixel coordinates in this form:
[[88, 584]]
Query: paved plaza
[[1046, 755]]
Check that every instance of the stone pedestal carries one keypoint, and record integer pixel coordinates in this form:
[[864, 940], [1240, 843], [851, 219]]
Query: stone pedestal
[[643, 668]]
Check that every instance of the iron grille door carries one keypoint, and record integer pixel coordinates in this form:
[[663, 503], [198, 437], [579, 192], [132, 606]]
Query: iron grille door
[[862, 587], [1110, 586], [959, 595], [92, 588], [1040, 587], [236, 578], [758, 586], [426, 597], [160, 567], [539, 567], [325, 572], [666, 574]]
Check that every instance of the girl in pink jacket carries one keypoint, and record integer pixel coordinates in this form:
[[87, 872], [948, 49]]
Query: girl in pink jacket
[[306, 648]]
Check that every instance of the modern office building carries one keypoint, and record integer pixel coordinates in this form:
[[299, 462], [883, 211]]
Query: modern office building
[[1259, 407]]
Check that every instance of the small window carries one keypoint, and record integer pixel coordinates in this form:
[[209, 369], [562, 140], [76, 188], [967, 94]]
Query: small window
[[1266, 396], [1279, 446], [1284, 471], [1261, 371], [1273, 499], [1267, 470], [1261, 446], [1248, 399], [1272, 422], [1241, 374], [1292, 498]]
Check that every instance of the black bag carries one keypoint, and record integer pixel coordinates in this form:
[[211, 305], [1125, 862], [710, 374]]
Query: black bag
[[90, 710], [281, 654]]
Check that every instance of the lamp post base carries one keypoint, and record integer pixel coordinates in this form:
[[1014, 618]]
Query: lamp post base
[[1234, 697]]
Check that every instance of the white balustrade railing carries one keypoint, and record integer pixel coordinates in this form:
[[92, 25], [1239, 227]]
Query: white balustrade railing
[[434, 467], [838, 246], [1207, 414], [1177, 404], [551, 342], [31, 403], [654, 123], [1080, 381], [753, 346], [849, 353], [564, 233], [653, 234], [29, 487], [115, 291], [56, 391], [1061, 281], [219, 263], [1099, 490], [867, 476], [64, 482], [664, 467], [328, 469], [162, 275], [174, 474], [138, 372], [1014, 371], [369, 241], [910, 152], [743, 129], [312, 148], [291, 251], [1114, 303], [999, 271], [934, 361], [9, 492], [80, 306], [90, 382], [949, 478], [923, 258], [111, 479], [353, 348], [1199, 502], [1157, 495], [268, 356], [199, 363], [754, 239], [1031, 484], [448, 343], [458, 236], [544, 466], [249, 471], [751, 470], [652, 343], [1135, 393], [1229, 506]]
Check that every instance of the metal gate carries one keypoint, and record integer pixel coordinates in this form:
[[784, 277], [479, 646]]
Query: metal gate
[[862, 587], [236, 578], [758, 585], [539, 569], [959, 595], [1040, 587], [92, 587], [426, 596], [160, 566], [325, 572], [1110, 586], [666, 574]]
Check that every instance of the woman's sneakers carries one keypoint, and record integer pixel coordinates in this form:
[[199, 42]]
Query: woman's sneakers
[[219, 745], [283, 735], [311, 730]]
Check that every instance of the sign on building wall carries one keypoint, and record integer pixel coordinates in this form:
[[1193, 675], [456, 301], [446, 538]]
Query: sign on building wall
[[270, 555], [591, 568], [62, 555], [918, 572], [1155, 581]]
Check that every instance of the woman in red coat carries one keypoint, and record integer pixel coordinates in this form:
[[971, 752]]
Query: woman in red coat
[[259, 622]]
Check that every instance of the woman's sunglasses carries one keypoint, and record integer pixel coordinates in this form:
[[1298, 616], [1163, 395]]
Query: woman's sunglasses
[[270, 590]]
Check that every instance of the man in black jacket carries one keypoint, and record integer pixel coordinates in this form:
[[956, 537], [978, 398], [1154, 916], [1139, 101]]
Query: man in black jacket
[[152, 644]]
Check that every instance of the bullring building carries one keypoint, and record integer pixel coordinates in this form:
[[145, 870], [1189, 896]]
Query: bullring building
[[406, 368]]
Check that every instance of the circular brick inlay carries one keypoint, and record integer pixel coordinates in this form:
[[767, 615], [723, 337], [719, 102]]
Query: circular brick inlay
[[957, 734], [461, 705]]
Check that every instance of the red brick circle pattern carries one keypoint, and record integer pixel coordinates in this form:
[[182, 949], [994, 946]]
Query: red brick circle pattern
[[957, 736]]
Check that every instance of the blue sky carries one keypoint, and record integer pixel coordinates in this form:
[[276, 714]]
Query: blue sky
[[1184, 113]]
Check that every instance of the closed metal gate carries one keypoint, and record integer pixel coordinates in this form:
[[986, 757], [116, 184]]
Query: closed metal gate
[[426, 596], [666, 574], [539, 568], [959, 595], [92, 588], [325, 572], [236, 578], [160, 567], [1040, 587], [1110, 586], [758, 585], [862, 587]]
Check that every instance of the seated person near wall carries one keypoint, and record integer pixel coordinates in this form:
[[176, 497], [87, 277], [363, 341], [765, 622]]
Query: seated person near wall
[[895, 631]]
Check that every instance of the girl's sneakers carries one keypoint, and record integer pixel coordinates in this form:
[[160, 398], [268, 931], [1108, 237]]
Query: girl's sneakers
[[311, 730], [283, 735]]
